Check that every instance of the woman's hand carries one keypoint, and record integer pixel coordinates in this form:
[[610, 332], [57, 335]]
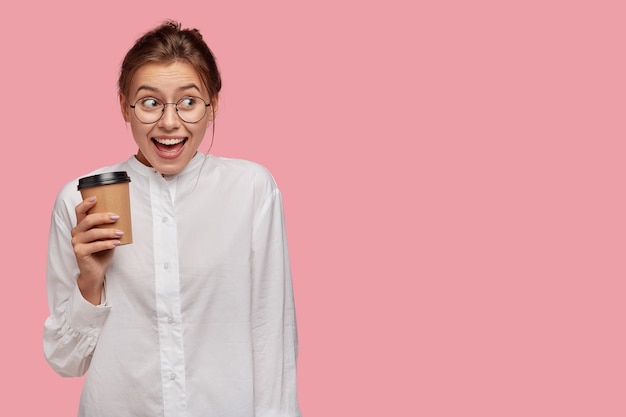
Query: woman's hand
[[93, 248]]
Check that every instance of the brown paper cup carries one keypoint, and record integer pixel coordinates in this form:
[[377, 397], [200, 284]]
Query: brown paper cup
[[111, 190]]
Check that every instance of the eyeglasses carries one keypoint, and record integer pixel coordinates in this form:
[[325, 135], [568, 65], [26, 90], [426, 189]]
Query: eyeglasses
[[190, 109]]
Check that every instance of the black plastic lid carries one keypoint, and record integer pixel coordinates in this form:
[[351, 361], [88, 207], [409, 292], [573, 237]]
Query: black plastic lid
[[103, 179]]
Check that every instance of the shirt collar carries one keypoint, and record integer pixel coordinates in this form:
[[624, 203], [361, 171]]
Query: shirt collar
[[146, 171]]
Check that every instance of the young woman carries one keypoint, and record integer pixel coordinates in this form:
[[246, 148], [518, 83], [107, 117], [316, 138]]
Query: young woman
[[196, 317]]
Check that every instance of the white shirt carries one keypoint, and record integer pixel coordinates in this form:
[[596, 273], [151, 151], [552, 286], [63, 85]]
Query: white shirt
[[199, 317]]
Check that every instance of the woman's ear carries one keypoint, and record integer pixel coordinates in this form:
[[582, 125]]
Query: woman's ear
[[125, 108], [213, 109]]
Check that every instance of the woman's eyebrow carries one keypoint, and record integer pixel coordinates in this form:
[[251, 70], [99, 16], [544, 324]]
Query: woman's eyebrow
[[189, 86], [146, 87]]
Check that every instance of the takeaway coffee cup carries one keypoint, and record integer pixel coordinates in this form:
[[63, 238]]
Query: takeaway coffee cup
[[112, 195]]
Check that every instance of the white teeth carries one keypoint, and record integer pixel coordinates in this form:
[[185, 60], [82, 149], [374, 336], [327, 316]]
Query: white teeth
[[169, 142]]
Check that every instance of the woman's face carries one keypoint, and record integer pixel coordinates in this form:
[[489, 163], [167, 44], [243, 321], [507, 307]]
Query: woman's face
[[168, 144]]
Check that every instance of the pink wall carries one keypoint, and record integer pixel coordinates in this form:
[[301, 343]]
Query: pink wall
[[453, 177]]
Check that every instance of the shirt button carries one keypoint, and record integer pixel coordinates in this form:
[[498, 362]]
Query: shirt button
[[166, 265], [172, 376], [170, 319], [164, 219]]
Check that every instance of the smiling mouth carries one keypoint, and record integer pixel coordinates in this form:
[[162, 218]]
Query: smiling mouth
[[170, 144]]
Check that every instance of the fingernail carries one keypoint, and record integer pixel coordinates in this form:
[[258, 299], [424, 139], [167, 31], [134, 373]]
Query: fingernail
[[92, 199], [118, 233], [117, 242], [114, 217]]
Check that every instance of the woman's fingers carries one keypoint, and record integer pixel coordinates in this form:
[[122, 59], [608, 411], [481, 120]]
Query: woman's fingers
[[85, 250], [89, 223], [83, 207], [87, 237], [95, 240]]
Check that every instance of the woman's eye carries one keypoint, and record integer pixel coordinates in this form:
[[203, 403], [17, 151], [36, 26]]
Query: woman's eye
[[187, 102], [150, 103]]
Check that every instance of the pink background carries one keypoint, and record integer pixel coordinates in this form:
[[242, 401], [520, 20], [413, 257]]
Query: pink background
[[453, 177]]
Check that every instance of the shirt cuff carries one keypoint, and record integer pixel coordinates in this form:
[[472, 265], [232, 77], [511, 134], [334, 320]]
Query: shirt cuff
[[85, 317]]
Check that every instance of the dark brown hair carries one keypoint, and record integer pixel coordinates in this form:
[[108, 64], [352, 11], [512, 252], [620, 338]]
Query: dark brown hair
[[169, 43]]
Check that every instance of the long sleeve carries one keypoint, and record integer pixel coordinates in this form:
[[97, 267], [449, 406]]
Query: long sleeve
[[274, 332], [72, 329]]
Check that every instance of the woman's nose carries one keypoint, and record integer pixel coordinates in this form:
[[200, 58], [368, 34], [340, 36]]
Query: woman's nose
[[170, 117]]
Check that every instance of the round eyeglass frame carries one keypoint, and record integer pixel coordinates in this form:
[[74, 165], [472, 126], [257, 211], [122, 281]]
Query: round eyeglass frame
[[133, 106]]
